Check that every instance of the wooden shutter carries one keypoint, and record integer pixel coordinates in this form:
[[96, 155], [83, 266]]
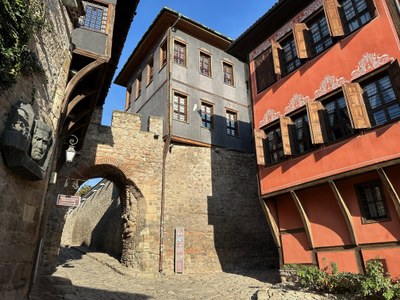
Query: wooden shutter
[[300, 33], [394, 74], [356, 105], [259, 136], [371, 8], [276, 48], [331, 8], [316, 122], [264, 65], [285, 123]]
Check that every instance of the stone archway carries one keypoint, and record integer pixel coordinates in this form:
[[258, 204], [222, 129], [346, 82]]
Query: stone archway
[[131, 159]]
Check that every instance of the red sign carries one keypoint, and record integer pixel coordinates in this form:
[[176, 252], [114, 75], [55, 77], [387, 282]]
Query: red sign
[[179, 250], [66, 200]]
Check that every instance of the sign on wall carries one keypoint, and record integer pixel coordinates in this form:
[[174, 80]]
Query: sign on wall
[[179, 250], [67, 200]]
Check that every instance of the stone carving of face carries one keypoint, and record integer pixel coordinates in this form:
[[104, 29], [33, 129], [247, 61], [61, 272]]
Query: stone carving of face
[[41, 141]]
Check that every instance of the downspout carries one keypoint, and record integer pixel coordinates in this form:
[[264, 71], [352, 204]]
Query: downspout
[[167, 144]]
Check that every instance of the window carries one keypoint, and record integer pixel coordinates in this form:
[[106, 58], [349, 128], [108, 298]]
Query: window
[[95, 17], [264, 65], [180, 105], [228, 73], [139, 85], [205, 64], [301, 133], [128, 99], [290, 61], [356, 13], [372, 201], [207, 112], [274, 147], [319, 32], [163, 54], [150, 70], [179, 53], [380, 100], [337, 119], [231, 123]]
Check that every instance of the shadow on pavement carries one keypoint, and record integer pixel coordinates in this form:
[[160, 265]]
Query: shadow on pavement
[[57, 288]]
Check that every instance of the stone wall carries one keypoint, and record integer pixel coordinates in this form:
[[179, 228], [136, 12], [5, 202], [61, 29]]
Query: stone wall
[[132, 160], [21, 201], [96, 222], [212, 193]]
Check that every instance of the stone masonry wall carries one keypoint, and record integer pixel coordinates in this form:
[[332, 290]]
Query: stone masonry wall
[[132, 160], [96, 222], [212, 193], [21, 201]]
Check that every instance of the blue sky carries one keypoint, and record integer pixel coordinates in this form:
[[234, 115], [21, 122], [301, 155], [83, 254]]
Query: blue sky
[[231, 18]]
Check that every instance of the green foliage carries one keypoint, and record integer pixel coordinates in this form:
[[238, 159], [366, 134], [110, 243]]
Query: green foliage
[[19, 19], [373, 283], [83, 190]]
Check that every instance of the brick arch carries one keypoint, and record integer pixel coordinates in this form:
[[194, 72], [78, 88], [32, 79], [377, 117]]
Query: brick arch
[[133, 205]]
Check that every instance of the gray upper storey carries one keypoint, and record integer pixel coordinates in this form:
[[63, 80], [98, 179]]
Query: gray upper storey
[[197, 87], [92, 40]]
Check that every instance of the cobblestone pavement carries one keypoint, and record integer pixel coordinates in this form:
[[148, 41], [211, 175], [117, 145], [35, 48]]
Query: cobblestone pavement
[[97, 276]]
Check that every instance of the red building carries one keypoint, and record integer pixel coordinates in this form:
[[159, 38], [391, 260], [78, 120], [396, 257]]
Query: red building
[[325, 83]]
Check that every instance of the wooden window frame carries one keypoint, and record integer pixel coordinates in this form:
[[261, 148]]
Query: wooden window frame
[[306, 139], [128, 97], [340, 120], [288, 55], [163, 59], [273, 148], [150, 70], [179, 47], [370, 9], [365, 206], [138, 90], [204, 115], [226, 66], [201, 64], [178, 111], [229, 128], [384, 106], [326, 41], [98, 27]]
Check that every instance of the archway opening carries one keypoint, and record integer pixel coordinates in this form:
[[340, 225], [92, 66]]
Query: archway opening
[[96, 223]]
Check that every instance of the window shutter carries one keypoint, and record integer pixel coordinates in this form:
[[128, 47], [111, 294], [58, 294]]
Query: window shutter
[[300, 32], [285, 123], [331, 8], [394, 74], [276, 48], [264, 65], [316, 122], [356, 105], [395, 14], [259, 136]]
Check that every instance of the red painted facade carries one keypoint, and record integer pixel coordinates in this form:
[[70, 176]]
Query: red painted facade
[[319, 201]]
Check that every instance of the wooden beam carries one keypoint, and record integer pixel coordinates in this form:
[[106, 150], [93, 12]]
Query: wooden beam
[[345, 212], [72, 104], [390, 188], [304, 218], [272, 223], [334, 177]]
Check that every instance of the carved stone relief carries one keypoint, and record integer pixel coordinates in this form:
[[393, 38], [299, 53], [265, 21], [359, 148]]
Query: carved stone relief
[[270, 116], [26, 143], [369, 62], [328, 84], [298, 100]]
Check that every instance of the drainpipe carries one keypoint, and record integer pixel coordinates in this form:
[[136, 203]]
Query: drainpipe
[[167, 144]]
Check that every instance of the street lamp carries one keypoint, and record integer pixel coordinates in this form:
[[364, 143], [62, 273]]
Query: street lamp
[[70, 152]]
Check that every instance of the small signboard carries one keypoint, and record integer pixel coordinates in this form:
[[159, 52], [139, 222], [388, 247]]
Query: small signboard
[[67, 200], [179, 250]]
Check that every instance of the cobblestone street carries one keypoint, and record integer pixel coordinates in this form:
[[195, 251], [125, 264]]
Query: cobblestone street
[[97, 276]]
